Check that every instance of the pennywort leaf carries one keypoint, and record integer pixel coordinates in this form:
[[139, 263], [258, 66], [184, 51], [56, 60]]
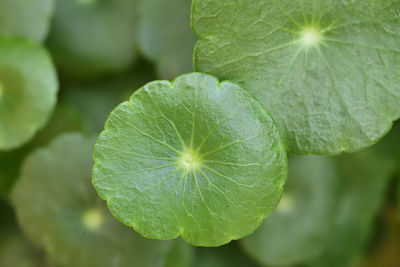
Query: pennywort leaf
[[59, 210], [28, 91], [327, 70], [194, 157]]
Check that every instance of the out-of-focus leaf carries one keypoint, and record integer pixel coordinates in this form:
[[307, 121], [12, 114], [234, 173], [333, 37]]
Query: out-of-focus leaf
[[28, 91], [195, 157], [180, 255], [364, 178], [95, 100], [226, 256], [26, 18], [58, 208], [17, 251], [327, 70], [64, 119], [300, 227], [165, 35], [94, 37]]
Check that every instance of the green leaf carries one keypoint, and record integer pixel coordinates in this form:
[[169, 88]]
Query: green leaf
[[59, 210], [194, 157], [165, 35], [28, 91], [64, 119], [327, 70], [299, 228], [364, 178], [94, 37], [26, 18]]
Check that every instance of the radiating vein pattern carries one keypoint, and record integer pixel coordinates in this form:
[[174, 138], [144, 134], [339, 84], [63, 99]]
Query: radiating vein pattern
[[327, 70], [195, 157]]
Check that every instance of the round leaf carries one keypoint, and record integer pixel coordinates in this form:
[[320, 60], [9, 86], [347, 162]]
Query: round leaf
[[327, 70], [94, 37], [169, 44], [59, 210], [28, 91], [25, 18], [194, 157], [300, 226]]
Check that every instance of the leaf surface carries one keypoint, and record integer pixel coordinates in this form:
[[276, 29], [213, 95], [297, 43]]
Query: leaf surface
[[328, 71], [194, 157]]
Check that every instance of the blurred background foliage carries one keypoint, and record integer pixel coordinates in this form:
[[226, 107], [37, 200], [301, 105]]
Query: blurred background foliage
[[336, 211]]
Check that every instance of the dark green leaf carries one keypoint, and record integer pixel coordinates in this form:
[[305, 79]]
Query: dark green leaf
[[327, 70]]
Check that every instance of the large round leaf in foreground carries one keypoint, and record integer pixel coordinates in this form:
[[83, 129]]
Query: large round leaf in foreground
[[194, 157], [328, 71], [59, 210], [28, 91]]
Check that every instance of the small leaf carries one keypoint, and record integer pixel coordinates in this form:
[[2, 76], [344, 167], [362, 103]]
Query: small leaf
[[59, 210], [93, 37], [28, 91], [194, 157], [26, 18], [327, 70], [165, 35], [300, 226]]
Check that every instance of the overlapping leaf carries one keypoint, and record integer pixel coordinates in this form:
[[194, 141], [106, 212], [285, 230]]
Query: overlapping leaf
[[327, 70]]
